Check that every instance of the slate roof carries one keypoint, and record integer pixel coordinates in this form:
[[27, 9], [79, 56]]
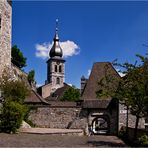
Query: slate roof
[[101, 104], [98, 71], [58, 93], [35, 98]]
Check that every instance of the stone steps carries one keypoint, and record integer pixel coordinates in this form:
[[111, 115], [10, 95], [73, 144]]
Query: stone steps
[[52, 131]]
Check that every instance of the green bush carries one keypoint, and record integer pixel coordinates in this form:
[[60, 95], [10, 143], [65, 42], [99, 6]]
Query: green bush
[[15, 91], [122, 133], [72, 94], [26, 117], [11, 116], [143, 140]]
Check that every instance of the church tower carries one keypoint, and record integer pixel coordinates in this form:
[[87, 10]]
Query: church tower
[[55, 64]]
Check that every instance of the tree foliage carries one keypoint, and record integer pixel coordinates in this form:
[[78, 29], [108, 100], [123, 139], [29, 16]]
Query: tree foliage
[[72, 94], [12, 116], [31, 76], [15, 91], [108, 84], [18, 58], [13, 110], [132, 89]]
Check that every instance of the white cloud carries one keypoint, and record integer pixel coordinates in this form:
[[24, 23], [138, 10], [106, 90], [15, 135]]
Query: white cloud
[[70, 84], [38, 85], [69, 49], [88, 73], [120, 73]]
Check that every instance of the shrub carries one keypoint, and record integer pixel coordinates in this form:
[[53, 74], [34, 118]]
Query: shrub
[[15, 91], [13, 111], [122, 133], [143, 140], [12, 116], [72, 94]]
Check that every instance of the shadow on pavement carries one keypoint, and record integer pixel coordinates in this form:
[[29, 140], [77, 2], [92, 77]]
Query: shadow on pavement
[[105, 144]]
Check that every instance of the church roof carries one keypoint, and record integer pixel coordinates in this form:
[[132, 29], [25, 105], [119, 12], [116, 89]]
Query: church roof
[[58, 93], [56, 50], [98, 71], [100, 104], [34, 97], [96, 103]]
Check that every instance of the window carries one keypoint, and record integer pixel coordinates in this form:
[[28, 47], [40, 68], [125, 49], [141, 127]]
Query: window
[[55, 68], [58, 80], [60, 68]]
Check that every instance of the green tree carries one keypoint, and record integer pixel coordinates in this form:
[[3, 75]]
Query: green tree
[[12, 114], [132, 89], [72, 94], [31, 76], [15, 91], [13, 110], [18, 58]]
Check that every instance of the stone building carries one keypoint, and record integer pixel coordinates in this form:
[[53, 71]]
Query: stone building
[[5, 34], [55, 69], [101, 116]]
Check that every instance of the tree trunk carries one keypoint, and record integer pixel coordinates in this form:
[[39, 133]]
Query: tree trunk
[[136, 127]]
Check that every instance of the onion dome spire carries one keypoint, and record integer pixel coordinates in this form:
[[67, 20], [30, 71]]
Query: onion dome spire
[[56, 50]]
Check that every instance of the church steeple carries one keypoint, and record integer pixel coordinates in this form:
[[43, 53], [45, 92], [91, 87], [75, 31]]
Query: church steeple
[[56, 50], [55, 64]]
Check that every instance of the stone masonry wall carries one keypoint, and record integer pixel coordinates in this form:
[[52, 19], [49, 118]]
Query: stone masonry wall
[[131, 120], [5, 35], [69, 117], [55, 117]]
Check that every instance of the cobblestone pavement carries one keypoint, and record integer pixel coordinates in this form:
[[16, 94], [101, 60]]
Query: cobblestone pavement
[[46, 140]]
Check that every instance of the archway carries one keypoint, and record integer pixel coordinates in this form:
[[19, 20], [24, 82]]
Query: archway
[[101, 125]]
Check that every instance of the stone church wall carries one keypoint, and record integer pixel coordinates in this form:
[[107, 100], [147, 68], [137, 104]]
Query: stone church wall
[[5, 34], [59, 117]]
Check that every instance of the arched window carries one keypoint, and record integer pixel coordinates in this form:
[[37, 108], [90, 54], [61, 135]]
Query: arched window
[[58, 80], [55, 68], [60, 68]]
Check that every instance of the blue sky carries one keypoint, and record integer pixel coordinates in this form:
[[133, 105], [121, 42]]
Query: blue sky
[[97, 32]]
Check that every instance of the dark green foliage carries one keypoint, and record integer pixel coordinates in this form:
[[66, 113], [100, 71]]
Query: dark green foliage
[[28, 108], [31, 75], [12, 115], [72, 94], [143, 141], [107, 85], [15, 91], [18, 58], [13, 111], [123, 134], [132, 89]]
